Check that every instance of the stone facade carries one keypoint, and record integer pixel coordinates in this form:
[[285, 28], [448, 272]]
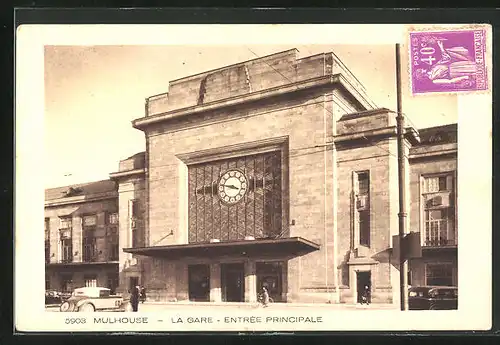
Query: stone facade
[[317, 117], [80, 263], [435, 157], [332, 130]]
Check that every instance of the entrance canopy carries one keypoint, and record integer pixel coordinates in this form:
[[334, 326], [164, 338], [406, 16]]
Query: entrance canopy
[[279, 248]]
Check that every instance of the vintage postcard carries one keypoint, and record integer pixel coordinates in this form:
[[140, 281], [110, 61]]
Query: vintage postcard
[[253, 178]]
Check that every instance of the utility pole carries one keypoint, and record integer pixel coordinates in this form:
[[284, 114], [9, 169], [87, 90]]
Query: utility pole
[[403, 263]]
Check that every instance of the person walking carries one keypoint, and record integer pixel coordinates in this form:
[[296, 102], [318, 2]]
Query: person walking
[[365, 298], [265, 297], [143, 294], [134, 298]]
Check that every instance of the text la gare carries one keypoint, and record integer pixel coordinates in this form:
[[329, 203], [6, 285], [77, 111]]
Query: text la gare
[[202, 319]]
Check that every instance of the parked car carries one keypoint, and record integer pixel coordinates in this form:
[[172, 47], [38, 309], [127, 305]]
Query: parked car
[[65, 295], [90, 299], [53, 297], [433, 298]]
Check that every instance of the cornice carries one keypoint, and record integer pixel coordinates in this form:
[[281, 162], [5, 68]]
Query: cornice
[[433, 154], [410, 134], [318, 82], [231, 151], [80, 199], [128, 173]]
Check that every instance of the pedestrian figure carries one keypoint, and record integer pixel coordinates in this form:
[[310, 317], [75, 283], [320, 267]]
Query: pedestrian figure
[[143, 294], [265, 297], [365, 297], [134, 298]]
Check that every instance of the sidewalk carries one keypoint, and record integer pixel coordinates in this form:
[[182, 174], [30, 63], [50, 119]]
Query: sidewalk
[[152, 306], [280, 305]]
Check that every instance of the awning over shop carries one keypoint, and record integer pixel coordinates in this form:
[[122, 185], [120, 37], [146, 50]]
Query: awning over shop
[[279, 248]]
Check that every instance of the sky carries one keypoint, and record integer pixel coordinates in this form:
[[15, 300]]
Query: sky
[[92, 93]]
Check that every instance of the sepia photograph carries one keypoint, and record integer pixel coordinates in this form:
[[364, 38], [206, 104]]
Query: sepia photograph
[[231, 185]]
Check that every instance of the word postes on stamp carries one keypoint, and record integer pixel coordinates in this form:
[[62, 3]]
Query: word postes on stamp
[[448, 61]]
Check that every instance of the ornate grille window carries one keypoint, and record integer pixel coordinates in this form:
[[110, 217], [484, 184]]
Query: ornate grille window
[[257, 212]]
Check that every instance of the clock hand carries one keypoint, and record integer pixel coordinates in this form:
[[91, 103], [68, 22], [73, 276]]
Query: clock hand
[[230, 186]]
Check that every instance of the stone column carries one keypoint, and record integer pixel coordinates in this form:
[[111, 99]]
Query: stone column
[[353, 285], [182, 281], [250, 282], [215, 283]]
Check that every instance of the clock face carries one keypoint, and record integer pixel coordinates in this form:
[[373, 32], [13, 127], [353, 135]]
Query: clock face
[[232, 187]]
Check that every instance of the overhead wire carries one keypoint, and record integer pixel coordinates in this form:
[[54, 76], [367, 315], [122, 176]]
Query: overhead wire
[[363, 136]]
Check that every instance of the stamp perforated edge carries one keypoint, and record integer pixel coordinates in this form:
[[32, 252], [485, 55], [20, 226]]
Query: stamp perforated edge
[[444, 28]]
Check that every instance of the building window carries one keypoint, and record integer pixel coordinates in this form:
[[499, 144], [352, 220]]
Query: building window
[[67, 250], [114, 252], [364, 228], [439, 211], [113, 244], [89, 221], [65, 233], [363, 183], [113, 218], [47, 240], [435, 184], [362, 191], [439, 274], [90, 280], [47, 283], [65, 223], [133, 211], [89, 248]]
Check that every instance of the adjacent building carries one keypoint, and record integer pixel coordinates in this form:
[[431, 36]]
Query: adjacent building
[[81, 236], [433, 186], [277, 172]]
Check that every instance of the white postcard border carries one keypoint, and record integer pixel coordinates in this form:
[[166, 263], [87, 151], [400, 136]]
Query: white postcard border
[[474, 131]]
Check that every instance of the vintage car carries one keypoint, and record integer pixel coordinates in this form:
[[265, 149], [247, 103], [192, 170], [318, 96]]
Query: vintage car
[[433, 298], [89, 299], [53, 297]]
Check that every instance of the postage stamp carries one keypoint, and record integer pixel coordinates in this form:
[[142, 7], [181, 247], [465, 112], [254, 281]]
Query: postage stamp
[[448, 61]]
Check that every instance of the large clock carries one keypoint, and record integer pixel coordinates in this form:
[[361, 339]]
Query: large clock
[[232, 186]]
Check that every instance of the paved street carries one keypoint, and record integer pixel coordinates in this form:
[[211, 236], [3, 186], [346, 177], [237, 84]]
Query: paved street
[[159, 307]]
